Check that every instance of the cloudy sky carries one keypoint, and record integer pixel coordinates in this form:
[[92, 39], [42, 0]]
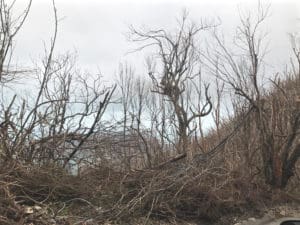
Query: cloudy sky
[[97, 29]]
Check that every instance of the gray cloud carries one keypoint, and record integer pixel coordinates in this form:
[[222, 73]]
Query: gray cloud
[[96, 29]]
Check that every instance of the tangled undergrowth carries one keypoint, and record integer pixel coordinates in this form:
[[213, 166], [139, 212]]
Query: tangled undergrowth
[[179, 192]]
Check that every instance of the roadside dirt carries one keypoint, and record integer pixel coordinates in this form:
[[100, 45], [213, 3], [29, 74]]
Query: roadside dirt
[[267, 216], [271, 215]]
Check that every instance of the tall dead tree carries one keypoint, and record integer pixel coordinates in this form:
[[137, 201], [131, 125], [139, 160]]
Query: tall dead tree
[[243, 71], [178, 59]]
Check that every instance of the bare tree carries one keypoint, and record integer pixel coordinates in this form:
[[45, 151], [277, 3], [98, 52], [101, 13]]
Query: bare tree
[[244, 74], [137, 116], [125, 84], [178, 54], [64, 111], [10, 25]]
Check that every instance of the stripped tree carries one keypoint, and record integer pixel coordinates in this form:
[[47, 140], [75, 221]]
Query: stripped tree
[[178, 59]]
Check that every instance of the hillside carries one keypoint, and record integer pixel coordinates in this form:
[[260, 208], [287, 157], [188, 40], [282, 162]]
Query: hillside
[[205, 136], [227, 184]]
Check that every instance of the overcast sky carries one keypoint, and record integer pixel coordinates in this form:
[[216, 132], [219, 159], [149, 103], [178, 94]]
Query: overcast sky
[[96, 29]]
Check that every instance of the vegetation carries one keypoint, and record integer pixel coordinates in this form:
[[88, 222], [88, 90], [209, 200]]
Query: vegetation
[[62, 162]]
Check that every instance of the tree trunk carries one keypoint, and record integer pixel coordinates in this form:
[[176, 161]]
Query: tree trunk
[[278, 172]]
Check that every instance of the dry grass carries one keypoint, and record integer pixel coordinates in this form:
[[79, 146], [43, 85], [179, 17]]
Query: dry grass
[[181, 191]]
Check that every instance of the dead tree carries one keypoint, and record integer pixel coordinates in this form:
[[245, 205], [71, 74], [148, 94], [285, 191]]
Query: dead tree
[[9, 27], [137, 115], [61, 114], [244, 74], [179, 62], [125, 85]]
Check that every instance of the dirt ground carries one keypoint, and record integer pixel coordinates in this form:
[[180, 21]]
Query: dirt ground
[[267, 216], [271, 215]]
